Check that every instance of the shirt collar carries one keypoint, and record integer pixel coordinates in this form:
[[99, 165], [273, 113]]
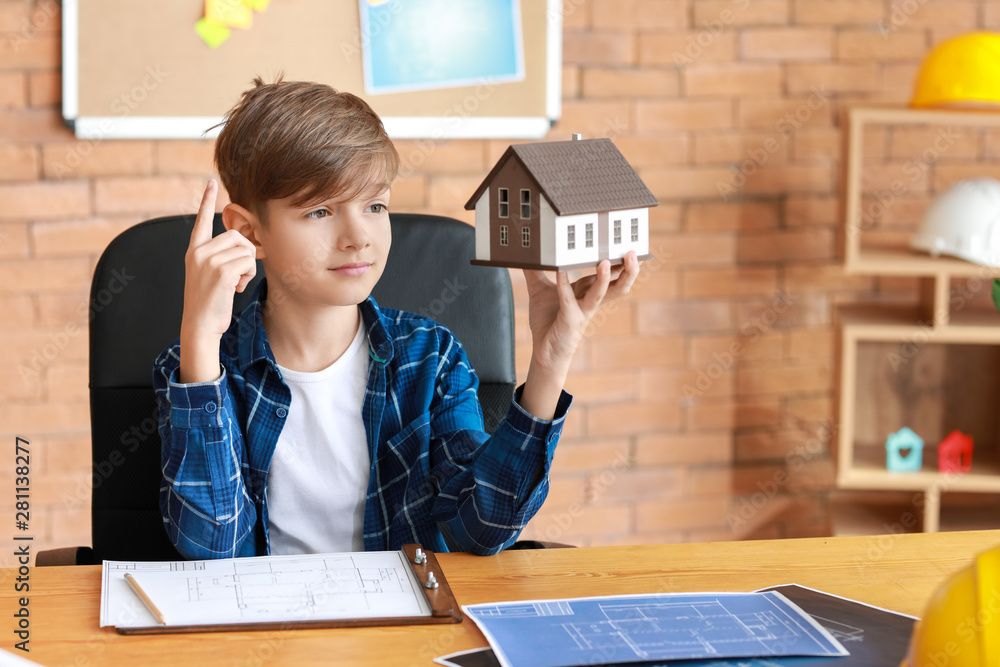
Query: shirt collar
[[253, 347]]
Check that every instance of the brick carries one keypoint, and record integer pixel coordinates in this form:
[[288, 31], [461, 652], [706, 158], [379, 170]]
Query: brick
[[712, 414], [664, 219], [739, 145], [68, 382], [728, 282], [72, 238], [598, 48], [576, 14], [810, 409], [427, 155], [33, 125], [930, 144], [632, 83], [897, 83], [685, 48], [83, 159], [20, 383], [683, 317], [736, 80], [903, 15], [148, 196], [805, 244], [19, 162], [44, 418], [570, 524], [778, 179], [786, 44], [833, 77], [44, 201], [451, 190], [19, 312], [825, 278], [13, 240], [63, 453], [790, 378], [806, 210], [591, 456], [786, 116], [758, 412], [39, 275], [39, 51], [45, 88], [692, 513], [683, 449], [947, 174], [728, 349], [184, 158], [654, 150], [708, 217], [635, 352], [631, 486], [817, 144], [881, 45], [35, 18], [685, 182], [710, 15], [713, 380], [571, 82], [13, 16], [703, 249], [618, 320], [13, 89], [639, 15], [595, 118], [409, 192], [631, 418], [601, 387], [838, 12], [683, 115]]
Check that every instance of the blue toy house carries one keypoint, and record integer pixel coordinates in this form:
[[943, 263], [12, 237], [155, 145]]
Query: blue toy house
[[904, 451]]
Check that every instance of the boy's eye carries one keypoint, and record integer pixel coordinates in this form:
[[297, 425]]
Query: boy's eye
[[319, 213], [377, 208]]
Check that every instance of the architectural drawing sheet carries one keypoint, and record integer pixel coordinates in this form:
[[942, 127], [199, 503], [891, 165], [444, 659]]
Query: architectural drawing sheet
[[647, 628], [376, 584]]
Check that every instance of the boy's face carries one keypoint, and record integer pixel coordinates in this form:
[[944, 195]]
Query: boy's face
[[326, 254]]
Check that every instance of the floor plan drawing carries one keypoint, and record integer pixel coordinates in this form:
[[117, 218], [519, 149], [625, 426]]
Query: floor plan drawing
[[650, 627]]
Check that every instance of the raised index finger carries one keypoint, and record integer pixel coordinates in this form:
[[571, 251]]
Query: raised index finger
[[201, 233]]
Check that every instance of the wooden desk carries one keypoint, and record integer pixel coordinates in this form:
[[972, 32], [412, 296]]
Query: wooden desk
[[897, 572]]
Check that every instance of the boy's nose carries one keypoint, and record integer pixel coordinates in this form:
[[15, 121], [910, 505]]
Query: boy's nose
[[354, 233]]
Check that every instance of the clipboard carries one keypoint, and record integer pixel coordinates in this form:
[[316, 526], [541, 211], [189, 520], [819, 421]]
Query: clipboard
[[439, 598]]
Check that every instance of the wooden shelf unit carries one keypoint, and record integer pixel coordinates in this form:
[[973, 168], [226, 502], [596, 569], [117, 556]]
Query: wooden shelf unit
[[930, 323]]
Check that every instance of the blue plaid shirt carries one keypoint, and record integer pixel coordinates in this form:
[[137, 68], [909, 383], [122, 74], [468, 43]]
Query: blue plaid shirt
[[436, 477]]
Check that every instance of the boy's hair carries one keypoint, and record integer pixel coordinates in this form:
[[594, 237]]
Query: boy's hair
[[302, 140]]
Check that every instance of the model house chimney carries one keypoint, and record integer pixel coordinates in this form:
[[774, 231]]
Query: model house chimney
[[577, 136]]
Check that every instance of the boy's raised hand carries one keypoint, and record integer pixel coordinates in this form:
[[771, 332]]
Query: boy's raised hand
[[558, 315], [214, 270]]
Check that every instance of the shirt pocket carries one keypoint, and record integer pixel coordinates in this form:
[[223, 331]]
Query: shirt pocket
[[405, 483]]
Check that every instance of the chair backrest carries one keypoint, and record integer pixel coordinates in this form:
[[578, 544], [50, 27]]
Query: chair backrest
[[136, 303]]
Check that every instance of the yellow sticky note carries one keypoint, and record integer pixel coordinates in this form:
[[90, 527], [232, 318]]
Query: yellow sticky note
[[258, 5], [232, 13], [213, 34]]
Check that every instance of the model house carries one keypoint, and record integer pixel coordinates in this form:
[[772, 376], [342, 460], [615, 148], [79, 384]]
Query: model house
[[561, 205], [955, 453], [904, 451]]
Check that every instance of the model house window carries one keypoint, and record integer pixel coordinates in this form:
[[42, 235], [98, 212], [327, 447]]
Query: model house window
[[618, 232], [635, 230], [504, 199], [526, 237], [525, 204], [589, 235], [571, 237], [504, 239]]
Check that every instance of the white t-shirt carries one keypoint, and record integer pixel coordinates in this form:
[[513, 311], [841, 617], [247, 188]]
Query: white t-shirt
[[318, 477]]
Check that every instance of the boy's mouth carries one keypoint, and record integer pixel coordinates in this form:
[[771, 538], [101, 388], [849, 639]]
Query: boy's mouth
[[357, 269]]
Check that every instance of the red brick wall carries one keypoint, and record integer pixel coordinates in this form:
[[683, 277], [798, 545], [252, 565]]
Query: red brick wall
[[736, 306]]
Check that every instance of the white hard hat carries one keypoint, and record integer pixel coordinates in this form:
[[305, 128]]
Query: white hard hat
[[963, 221]]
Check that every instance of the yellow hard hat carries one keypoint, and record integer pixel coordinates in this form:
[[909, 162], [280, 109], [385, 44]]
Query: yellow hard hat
[[962, 71], [961, 627]]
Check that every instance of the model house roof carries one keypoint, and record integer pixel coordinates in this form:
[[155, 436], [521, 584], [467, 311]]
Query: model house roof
[[580, 176]]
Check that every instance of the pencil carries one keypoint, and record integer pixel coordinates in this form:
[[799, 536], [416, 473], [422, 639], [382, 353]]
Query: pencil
[[145, 598]]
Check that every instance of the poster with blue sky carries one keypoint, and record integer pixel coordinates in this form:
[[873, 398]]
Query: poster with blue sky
[[423, 44]]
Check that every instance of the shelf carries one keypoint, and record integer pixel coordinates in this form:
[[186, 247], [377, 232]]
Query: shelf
[[907, 324], [982, 479], [906, 262]]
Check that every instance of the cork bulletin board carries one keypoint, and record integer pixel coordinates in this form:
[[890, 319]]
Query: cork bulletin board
[[137, 69]]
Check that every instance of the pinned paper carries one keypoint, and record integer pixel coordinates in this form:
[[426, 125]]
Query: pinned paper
[[213, 34], [232, 13], [257, 5]]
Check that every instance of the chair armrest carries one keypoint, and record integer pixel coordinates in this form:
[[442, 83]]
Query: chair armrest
[[65, 556]]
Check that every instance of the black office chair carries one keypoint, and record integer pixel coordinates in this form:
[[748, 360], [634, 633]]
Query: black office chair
[[136, 299]]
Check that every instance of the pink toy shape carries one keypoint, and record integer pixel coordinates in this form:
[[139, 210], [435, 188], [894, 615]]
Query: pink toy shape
[[955, 453]]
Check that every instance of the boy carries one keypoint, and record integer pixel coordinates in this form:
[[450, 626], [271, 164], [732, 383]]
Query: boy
[[317, 421]]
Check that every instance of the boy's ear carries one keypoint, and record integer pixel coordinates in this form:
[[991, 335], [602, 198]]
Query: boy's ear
[[246, 223]]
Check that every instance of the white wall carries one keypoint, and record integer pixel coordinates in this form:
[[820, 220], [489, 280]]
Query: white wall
[[641, 247], [483, 226]]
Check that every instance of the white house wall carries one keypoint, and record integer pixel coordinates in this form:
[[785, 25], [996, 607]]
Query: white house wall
[[641, 247], [581, 254], [483, 226]]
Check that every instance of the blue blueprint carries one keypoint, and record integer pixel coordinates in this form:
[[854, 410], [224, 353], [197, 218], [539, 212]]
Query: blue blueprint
[[638, 628]]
